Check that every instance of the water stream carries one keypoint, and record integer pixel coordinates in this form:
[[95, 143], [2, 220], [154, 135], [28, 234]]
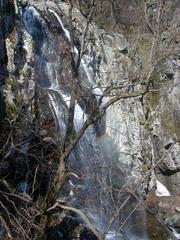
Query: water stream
[[91, 158]]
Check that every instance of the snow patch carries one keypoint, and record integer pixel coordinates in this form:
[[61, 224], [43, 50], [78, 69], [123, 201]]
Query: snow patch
[[161, 190]]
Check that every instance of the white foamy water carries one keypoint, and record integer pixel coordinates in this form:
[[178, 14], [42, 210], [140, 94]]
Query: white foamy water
[[95, 89], [113, 236], [67, 34]]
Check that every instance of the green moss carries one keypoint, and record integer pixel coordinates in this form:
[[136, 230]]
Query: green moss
[[154, 99], [53, 220], [11, 110], [145, 167], [12, 106], [142, 121]]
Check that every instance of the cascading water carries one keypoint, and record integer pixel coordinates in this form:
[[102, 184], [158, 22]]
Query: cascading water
[[89, 159], [89, 193]]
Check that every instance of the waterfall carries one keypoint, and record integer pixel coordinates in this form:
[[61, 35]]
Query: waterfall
[[86, 160], [95, 89], [91, 158]]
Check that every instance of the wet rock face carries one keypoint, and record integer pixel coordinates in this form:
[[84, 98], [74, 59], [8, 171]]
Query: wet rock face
[[24, 106], [17, 55], [7, 19], [32, 23]]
